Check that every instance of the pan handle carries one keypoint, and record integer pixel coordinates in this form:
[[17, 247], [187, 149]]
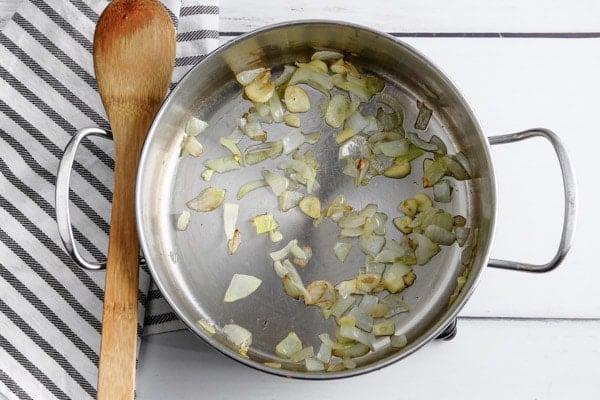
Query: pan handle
[[568, 229], [63, 177]]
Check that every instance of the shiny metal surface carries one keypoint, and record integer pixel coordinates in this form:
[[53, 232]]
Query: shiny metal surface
[[63, 215], [569, 187], [193, 269]]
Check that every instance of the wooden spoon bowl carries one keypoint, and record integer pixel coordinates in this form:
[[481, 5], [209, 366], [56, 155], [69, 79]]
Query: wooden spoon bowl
[[134, 54]]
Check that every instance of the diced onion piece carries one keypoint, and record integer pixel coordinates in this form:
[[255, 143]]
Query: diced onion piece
[[261, 88], [296, 99], [245, 77], [426, 249], [289, 199], [292, 120], [439, 235], [278, 183], [224, 164], [234, 242], [398, 341], [350, 232], [283, 252], [289, 345], [367, 283], [393, 103], [378, 310], [393, 148], [275, 236], [191, 146], [344, 135], [424, 116], [346, 288], [367, 303], [286, 74], [354, 333], [238, 336], [421, 143], [241, 286], [194, 126], [356, 122], [272, 364], [439, 143], [395, 305], [341, 305], [423, 202], [183, 220], [303, 354], [384, 328], [371, 245], [206, 326], [337, 111], [322, 294], [250, 186], [454, 167], [326, 55], [442, 191], [462, 234], [293, 287], [231, 146], [311, 206], [264, 223], [398, 170], [276, 107], [208, 200], [392, 279], [403, 224], [324, 353], [312, 137], [292, 141], [362, 319], [207, 174], [342, 250], [252, 128], [230, 215], [315, 79]]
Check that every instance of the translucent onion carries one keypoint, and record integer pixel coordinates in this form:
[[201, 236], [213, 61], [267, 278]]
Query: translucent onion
[[191, 146], [322, 294], [384, 328], [312, 77], [264, 223], [245, 77], [393, 148], [224, 164], [208, 200], [206, 326], [311, 206], [292, 120], [194, 126], [207, 174], [284, 77], [425, 249], [337, 111], [363, 320], [398, 341], [393, 103], [292, 141], [250, 186], [354, 333], [439, 235], [424, 116], [278, 183], [289, 199], [392, 279], [371, 245], [342, 250], [183, 220], [276, 108], [231, 146], [303, 354], [326, 55], [313, 365], [324, 353], [241, 286], [395, 305], [296, 99], [289, 345], [442, 191], [261, 88], [240, 337], [462, 234]]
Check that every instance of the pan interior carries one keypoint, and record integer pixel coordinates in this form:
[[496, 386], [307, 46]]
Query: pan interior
[[193, 267]]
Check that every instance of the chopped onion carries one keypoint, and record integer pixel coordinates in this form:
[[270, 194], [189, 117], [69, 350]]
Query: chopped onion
[[234, 242], [442, 191], [264, 223], [241, 286], [191, 146], [367, 282], [395, 305], [296, 99], [231, 146], [454, 167], [462, 234], [240, 337], [284, 77], [310, 206], [398, 170], [403, 224], [207, 174], [337, 111], [326, 55], [276, 107], [208, 200], [261, 88], [289, 345], [371, 245], [354, 333], [393, 148], [224, 164], [246, 77], [292, 141], [392, 103], [341, 305], [342, 250], [346, 288], [425, 249], [439, 235], [393, 277], [312, 77], [206, 326], [398, 341], [322, 294], [289, 199], [344, 135], [230, 215], [283, 252], [183, 220], [303, 354], [250, 186], [356, 122], [194, 126], [362, 319], [278, 183], [275, 236], [424, 116], [324, 353], [384, 328], [292, 120]]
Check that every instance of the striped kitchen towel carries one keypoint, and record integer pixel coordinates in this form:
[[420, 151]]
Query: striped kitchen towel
[[50, 309]]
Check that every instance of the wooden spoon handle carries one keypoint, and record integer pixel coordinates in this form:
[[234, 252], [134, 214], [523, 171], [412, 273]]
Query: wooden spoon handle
[[116, 372]]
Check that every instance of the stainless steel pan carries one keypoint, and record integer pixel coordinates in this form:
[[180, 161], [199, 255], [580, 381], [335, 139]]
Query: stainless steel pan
[[193, 268]]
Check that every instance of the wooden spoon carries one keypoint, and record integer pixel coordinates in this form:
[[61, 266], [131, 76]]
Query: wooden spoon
[[134, 54]]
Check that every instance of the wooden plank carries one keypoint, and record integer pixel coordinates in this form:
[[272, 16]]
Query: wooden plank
[[422, 16], [501, 359]]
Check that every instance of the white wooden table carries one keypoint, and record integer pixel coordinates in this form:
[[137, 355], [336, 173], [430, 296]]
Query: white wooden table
[[520, 64]]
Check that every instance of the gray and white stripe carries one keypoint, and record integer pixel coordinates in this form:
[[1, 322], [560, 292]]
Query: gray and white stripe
[[50, 309]]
